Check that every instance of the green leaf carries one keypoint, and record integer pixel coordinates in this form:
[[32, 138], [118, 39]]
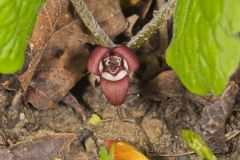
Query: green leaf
[[17, 19], [205, 49], [104, 155], [197, 144]]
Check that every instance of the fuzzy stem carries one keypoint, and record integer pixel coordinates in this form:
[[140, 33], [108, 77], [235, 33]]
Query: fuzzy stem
[[161, 16], [92, 25]]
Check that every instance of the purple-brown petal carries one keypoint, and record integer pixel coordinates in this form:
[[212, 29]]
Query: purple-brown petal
[[115, 91], [129, 56], [95, 59]]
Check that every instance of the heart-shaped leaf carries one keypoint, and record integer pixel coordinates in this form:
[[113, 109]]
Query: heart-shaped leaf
[[17, 19], [205, 49]]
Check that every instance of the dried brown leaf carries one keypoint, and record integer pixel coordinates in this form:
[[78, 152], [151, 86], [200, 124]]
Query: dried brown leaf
[[46, 146], [131, 20], [109, 16], [165, 85], [60, 36], [47, 22], [61, 67], [213, 118], [145, 6], [5, 154]]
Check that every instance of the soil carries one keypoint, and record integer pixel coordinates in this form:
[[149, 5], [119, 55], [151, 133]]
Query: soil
[[153, 127]]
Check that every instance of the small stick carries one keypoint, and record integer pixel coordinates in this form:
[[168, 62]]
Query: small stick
[[178, 155], [119, 112], [232, 135], [91, 23]]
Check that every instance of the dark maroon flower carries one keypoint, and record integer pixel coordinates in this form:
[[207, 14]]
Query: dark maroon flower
[[113, 67]]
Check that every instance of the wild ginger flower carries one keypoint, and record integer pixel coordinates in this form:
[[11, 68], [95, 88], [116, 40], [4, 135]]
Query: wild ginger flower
[[113, 66]]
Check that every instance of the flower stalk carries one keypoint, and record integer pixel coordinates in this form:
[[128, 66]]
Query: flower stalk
[[159, 18], [88, 19]]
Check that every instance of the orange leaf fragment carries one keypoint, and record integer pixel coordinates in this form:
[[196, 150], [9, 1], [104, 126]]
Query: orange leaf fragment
[[125, 151]]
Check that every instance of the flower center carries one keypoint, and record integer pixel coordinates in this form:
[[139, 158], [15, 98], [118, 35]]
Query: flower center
[[112, 64], [113, 68]]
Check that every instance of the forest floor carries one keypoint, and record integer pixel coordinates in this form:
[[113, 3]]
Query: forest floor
[[37, 125], [153, 127]]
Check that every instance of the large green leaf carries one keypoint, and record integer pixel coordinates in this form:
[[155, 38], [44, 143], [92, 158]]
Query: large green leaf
[[17, 19], [205, 49]]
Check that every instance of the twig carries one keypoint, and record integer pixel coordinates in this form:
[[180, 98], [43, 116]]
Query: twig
[[92, 25], [106, 120], [159, 18], [232, 135], [178, 155], [236, 109]]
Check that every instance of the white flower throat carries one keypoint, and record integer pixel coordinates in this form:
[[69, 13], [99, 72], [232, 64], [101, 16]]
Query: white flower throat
[[113, 68]]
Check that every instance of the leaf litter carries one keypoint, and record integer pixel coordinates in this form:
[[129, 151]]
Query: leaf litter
[[157, 109]]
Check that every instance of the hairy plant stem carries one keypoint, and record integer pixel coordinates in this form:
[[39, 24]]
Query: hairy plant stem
[[159, 18], [92, 25]]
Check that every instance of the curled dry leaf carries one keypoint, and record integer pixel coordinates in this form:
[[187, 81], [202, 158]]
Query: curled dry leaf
[[60, 36], [213, 118], [164, 85], [48, 20], [60, 68], [46, 146], [167, 85]]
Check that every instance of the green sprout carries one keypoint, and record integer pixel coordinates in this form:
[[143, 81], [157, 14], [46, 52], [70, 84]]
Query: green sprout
[[196, 143], [104, 155]]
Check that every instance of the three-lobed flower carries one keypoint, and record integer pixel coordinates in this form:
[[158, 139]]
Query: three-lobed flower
[[113, 66]]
